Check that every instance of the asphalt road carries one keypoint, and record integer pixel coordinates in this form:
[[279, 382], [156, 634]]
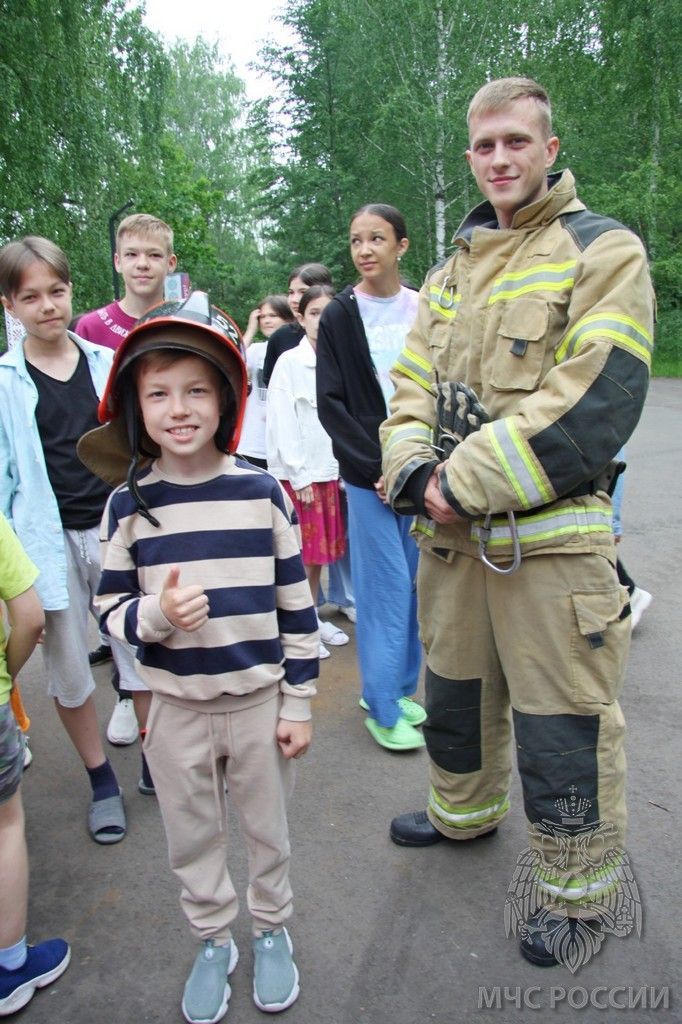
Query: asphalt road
[[383, 935]]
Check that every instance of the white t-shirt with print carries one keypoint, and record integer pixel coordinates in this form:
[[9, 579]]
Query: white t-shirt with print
[[386, 323]]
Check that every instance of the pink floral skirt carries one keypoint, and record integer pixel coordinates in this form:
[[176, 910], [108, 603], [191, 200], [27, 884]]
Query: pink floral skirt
[[321, 522]]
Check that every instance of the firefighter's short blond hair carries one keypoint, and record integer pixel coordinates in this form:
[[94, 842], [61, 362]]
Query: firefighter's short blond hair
[[501, 92]]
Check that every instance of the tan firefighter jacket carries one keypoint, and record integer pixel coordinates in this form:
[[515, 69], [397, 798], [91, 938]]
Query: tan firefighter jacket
[[550, 322]]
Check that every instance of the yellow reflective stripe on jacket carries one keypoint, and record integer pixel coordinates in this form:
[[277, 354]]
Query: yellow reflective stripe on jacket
[[422, 524], [415, 367], [468, 817], [547, 525], [622, 329], [415, 431], [444, 301], [517, 463], [552, 277]]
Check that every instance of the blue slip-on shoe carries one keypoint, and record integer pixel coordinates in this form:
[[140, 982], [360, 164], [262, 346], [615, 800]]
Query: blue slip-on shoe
[[275, 975], [44, 964], [207, 990]]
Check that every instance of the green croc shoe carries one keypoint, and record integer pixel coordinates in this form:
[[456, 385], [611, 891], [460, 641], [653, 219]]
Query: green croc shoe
[[402, 736], [412, 712]]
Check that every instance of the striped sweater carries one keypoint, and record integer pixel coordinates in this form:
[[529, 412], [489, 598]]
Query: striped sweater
[[237, 536]]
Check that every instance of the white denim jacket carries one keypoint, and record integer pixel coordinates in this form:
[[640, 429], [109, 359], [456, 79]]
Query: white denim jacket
[[299, 448]]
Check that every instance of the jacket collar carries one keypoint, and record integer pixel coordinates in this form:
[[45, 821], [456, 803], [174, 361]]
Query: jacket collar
[[308, 354], [560, 198], [16, 356]]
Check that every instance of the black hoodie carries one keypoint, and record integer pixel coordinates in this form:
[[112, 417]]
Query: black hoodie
[[350, 402]]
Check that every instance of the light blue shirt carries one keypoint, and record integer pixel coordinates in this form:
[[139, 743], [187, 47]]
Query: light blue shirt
[[26, 496]]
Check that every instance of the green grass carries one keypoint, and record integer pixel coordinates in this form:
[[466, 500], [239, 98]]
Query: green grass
[[668, 348], [666, 368]]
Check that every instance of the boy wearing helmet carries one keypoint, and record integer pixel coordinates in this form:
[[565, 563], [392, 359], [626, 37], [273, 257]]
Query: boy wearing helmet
[[202, 573]]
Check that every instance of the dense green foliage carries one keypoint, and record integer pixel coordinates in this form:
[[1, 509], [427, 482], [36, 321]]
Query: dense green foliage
[[95, 111], [369, 105], [374, 99]]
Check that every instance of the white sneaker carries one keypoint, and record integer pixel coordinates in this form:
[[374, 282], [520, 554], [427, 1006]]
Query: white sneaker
[[332, 635], [275, 975], [123, 728], [207, 990], [639, 602], [344, 609], [324, 653]]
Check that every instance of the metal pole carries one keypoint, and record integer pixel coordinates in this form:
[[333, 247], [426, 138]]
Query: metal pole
[[112, 243]]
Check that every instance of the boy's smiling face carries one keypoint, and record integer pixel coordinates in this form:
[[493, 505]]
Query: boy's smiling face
[[181, 402], [144, 263], [42, 303]]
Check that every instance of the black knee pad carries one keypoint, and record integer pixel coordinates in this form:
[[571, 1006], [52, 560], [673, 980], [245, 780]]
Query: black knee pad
[[453, 728], [557, 757]]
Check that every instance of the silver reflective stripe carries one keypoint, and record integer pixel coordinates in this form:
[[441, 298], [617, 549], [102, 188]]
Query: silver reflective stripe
[[458, 819], [444, 300], [412, 432], [517, 465], [415, 367], [547, 277], [547, 525], [579, 891], [621, 329]]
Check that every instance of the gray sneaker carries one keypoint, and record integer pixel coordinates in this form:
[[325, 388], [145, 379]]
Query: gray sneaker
[[207, 989], [275, 975]]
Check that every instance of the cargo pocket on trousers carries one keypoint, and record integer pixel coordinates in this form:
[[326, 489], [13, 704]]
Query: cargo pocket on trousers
[[600, 643]]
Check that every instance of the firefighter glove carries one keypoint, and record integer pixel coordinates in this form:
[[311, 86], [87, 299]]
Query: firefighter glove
[[459, 414]]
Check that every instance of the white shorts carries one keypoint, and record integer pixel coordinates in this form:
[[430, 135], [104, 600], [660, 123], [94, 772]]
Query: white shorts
[[66, 645]]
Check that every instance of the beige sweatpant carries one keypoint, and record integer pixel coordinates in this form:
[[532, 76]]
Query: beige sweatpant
[[192, 756]]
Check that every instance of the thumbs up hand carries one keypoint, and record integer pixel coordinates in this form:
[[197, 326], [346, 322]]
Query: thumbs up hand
[[185, 607]]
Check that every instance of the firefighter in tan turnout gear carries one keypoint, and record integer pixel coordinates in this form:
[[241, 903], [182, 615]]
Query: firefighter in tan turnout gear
[[537, 335]]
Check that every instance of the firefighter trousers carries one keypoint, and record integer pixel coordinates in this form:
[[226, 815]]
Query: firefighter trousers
[[539, 655]]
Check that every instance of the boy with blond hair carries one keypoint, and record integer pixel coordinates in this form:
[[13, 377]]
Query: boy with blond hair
[[144, 257]]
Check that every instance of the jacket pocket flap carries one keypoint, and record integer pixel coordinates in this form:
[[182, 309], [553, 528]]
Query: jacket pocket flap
[[524, 319]]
